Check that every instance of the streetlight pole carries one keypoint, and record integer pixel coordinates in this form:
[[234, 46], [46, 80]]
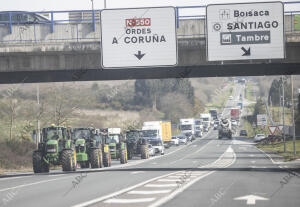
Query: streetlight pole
[[293, 116], [104, 4], [283, 114], [38, 134], [93, 15]]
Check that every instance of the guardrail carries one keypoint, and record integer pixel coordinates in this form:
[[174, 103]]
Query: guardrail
[[92, 17]]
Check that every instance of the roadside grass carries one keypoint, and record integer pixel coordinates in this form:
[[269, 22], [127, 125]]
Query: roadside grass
[[276, 112], [278, 149]]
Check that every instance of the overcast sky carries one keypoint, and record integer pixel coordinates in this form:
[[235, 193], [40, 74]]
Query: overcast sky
[[42, 5]]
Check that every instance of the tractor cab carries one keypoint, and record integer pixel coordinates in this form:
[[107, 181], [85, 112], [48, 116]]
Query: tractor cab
[[117, 146], [136, 144], [88, 149]]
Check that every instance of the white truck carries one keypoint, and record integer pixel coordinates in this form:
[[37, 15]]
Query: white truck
[[198, 128], [188, 128], [158, 134], [206, 121]]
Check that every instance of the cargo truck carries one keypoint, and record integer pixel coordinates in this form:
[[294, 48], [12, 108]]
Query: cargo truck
[[213, 113], [198, 128], [158, 134], [206, 120], [189, 128], [235, 114]]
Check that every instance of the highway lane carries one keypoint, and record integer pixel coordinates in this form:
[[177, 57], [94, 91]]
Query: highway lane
[[207, 172], [252, 176], [52, 190]]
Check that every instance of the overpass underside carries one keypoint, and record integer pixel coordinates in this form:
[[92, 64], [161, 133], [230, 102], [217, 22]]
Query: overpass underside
[[61, 59]]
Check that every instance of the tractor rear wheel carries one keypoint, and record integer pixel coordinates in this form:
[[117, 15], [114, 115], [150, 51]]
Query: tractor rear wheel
[[67, 160], [144, 152], [39, 165], [95, 158], [130, 154], [122, 157], [106, 159], [101, 158]]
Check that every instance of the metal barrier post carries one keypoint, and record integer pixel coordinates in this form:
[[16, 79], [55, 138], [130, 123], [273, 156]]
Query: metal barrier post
[[177, 18], [10, 23], [52, 23], [94, 26]]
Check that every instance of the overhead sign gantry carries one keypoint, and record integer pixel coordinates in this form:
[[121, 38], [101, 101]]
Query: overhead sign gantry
[[245, 31], [139, 37]]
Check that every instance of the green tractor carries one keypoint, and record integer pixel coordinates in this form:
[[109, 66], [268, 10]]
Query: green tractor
[[88, 148], [136, 144], [55, 148], [117, 146]]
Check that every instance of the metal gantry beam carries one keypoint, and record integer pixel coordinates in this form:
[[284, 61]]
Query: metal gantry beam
[[226, 70]]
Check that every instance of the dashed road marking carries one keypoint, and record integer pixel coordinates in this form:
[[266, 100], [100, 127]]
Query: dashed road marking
[[160, 185], [137, 172], [148, 192], [133, 200]]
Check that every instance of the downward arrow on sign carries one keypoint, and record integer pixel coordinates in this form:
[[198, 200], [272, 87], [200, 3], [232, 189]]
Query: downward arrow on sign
[[139, 55]]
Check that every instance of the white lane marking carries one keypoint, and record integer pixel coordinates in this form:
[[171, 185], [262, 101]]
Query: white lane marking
[[35, 183], [134, 200], [253, 166], [182, 188], [274, 162], [194, 161], [251, 155], [168, 180], [253, 161], [96, 200], [11, 178], [139, 192], [192, 153], [56, 175], [137, 172], [251, 199], [160, 185]]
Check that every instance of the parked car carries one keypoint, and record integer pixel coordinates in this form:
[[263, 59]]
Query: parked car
[[182, 139], [151, 150], [259, 137], [175, 140], [243, 132]]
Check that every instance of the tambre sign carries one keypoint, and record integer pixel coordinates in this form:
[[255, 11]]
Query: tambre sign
[[245, 31]]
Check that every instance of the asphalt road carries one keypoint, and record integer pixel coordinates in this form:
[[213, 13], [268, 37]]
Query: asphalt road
[[207, 172]]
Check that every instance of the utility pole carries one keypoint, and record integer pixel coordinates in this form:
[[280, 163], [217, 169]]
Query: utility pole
[[293, 115], [283, 115], [38, 134]]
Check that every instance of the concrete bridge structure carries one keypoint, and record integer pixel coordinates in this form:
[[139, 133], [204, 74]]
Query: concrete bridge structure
[[61, 50]]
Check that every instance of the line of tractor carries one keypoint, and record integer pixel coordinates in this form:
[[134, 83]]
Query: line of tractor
[[88, 147]]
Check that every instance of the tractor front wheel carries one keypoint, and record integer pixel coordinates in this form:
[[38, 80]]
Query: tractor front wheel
[[67, 160], [39, 165], [95, 158]]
